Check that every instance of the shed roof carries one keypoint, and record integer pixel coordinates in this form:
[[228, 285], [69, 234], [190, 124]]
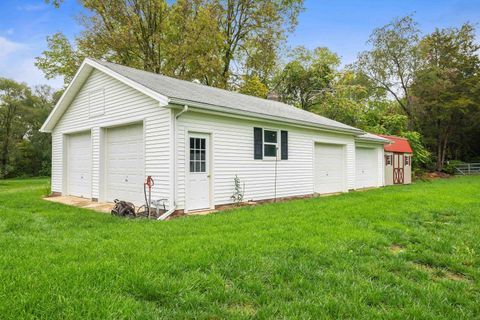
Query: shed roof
[[398, 144]]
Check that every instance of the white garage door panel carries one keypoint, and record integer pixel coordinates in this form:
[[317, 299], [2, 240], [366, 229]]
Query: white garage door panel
[[366, 168], [329, 168], [125, 164], [79, 163]]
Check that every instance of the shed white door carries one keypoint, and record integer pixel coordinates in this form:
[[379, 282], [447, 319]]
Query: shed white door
[[79, 163], [198, 193], [329, 168], [366, 168], [125, 164]]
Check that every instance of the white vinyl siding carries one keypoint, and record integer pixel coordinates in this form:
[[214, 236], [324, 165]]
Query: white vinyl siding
[[122, 105], [233, 146]]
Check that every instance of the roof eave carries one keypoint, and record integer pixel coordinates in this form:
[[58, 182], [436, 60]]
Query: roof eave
[[373, 140]]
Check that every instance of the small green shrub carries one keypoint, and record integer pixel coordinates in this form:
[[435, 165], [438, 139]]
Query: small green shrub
[[449, 167]]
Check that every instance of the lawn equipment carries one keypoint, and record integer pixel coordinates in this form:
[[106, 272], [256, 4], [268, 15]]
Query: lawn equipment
[[123, 209]]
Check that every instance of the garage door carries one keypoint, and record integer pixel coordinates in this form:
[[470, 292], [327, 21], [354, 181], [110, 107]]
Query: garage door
[[366, 168], [79, 165], [125, 164], [329, 168]]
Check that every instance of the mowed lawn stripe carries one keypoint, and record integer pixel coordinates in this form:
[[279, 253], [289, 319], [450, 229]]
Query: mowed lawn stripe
[[396, 252]]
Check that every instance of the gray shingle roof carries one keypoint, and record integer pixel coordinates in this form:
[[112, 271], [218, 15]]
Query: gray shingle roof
[[180, 90], [372, 137]]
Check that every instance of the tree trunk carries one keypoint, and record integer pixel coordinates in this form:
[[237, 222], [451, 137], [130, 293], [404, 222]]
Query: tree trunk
[[6, 142], [442, 149], [439, 165], [10, 112]]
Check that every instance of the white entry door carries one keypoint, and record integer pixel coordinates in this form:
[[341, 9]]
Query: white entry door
[[124, 164], [198, 190], [79, 163], [329, 168], [366, 168]]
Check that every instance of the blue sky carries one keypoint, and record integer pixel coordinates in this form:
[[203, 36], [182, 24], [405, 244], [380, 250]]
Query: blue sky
[[341, 25]]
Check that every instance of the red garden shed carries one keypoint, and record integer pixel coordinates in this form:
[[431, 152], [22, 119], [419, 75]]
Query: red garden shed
[[398, 161]]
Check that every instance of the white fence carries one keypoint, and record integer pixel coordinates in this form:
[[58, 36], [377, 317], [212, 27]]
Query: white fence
[[467, 169]]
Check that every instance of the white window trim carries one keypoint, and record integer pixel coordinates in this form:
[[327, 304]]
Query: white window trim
[[277, 144]]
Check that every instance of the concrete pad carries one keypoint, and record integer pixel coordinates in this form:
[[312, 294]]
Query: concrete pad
[[82, 203]]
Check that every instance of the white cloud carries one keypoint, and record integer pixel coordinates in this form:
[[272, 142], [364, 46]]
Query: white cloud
[[8, 47], [17, 62], [26, 71]]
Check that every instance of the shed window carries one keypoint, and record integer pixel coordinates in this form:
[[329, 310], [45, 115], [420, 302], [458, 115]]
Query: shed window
[[408, 160], [388, 160]]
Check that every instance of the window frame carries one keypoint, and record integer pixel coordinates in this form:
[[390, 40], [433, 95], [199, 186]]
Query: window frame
[[204, 168], [388, 159], [408, 160], [276, 144]]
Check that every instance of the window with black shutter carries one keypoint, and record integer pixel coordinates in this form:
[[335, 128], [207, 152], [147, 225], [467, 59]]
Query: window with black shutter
[[270, 144]]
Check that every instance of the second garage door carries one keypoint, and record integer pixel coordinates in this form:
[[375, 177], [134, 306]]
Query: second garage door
[[329, 168], [366, 168], [125, 164]]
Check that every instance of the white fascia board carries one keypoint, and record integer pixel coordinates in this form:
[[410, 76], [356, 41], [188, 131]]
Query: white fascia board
[[72, 89], [225, 111]]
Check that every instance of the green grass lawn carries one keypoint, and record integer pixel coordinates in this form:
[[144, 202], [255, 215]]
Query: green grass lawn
[[395, 253]]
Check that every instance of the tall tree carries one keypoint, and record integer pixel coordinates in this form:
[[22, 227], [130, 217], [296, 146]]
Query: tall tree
[[393, 60], [249, 27], [447, 88], [14, 97], [213, 41], [307, 77], [24, 150]]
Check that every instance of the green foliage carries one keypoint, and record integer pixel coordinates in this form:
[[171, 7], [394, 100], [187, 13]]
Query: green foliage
[[450, 166], [24, 150], [253, 86], [393, 60], [205, 40], [238, 192], [307, 77], [403, 252], [60, 59], [447, 88], [421, 156]]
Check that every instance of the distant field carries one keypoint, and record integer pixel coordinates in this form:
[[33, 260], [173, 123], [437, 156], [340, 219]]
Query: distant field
[[397, 252]]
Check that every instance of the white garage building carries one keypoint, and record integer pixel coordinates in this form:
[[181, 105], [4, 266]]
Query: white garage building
[[116, 125]]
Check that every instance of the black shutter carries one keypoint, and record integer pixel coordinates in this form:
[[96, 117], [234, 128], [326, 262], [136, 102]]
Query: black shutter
[[258, 143], [284, 145]]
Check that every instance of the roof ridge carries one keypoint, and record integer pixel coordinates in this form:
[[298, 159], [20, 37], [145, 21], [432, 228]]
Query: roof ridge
[[196, 83]]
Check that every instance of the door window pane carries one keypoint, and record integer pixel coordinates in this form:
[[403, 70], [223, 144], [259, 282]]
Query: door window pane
[[198, 158]]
